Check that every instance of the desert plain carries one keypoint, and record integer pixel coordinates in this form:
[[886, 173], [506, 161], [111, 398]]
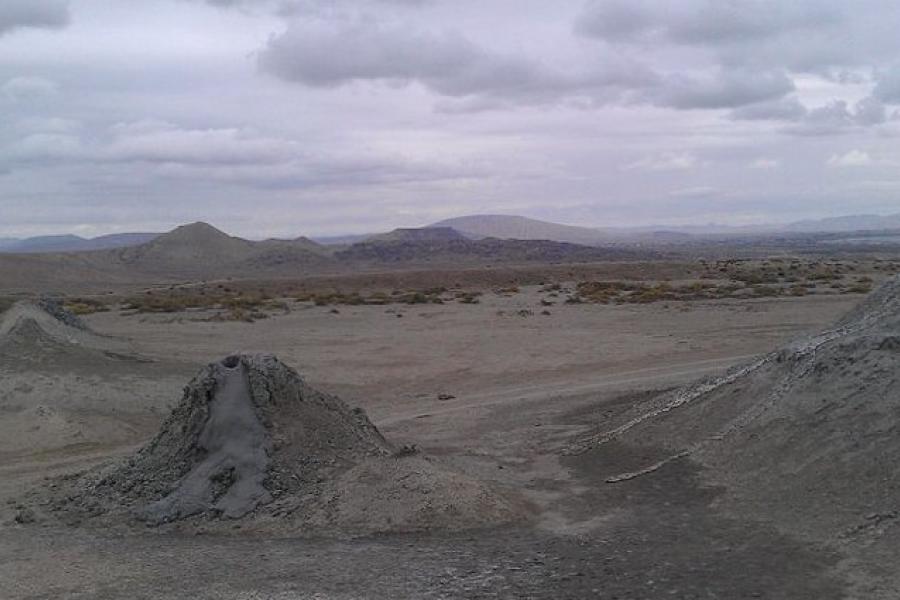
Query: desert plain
[[515, 390]]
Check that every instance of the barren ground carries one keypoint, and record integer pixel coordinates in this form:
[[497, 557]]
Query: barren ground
[[501, 396]]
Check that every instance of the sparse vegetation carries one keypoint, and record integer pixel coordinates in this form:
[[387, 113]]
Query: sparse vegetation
[[507, 290], [731, 279], [85, 306], [232, 306], [468, 297], [427, 296]]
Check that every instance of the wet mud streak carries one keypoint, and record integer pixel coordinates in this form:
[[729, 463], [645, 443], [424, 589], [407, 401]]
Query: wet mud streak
[[229, 480]]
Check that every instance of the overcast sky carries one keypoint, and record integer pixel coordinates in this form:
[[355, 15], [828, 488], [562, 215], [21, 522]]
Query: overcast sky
[[317, 117]]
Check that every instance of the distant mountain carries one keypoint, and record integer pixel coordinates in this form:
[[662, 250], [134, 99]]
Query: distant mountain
[[195, 251], [847, 223], [523, 228], [422, 234], [445, 246], [47, 243], [511, 227], [74, 243], [201, 249], [342, 240]]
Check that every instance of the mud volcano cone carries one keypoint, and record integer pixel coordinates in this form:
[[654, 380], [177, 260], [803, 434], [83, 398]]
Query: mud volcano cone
[[251, 442], [39, 322], [808, 435], [248, 429], [43, 333]]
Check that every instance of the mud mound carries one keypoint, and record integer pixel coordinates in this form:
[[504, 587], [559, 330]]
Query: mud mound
[[46, 315], [65, 388], [44, 333], [55, 309], [251, 441], [808, 435]]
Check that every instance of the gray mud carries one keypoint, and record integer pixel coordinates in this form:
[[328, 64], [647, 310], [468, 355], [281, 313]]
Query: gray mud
[[229, 479]]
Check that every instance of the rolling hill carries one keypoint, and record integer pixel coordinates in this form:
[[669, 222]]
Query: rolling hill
[[73, 243], [195, 251], [848, 223], [444, 245], [522, 228], [199, 249]]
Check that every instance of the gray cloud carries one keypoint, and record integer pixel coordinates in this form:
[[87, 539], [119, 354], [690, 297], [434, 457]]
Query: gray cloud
[[165, 143], [155, 142], [672, 161], [830, 119], [333, 54], [869, 111], [833, 118], [887, 88], [324, 56], [313, 116], [223, 155], [448, 64], [16, 14], [701, 22], [726, 89], [289, 8], [838, 40], [836, 118], [783, 109], [703, 191], [28, 88]]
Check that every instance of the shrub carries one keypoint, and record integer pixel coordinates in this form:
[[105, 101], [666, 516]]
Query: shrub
[[85, 306], [507, 291], [468, 297]]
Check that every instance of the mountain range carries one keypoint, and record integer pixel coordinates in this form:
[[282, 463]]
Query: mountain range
[[523, 228], [516, 227], [199, 251], [474, 227], [73, 243]]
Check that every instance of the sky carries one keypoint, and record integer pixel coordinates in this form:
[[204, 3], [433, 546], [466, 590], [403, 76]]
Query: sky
[[325, 117]]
